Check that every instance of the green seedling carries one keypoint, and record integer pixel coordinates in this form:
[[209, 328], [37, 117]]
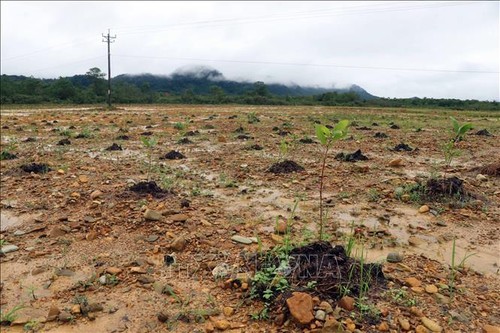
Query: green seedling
[[9, 316], [149, 143], [327, 137]]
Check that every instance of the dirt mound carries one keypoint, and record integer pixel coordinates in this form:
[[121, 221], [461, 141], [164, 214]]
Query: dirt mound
[[244, 137], [484, 132], [380, 135], [402, 147], [363, 128], [30, 139], [172, 155], [114, 147], [147, 133], [149, 188], [356, 156], [122, 137], [239, 130], [255, 147], [442, 188], [192, 133], [64, 142], [490, 169], [35, 167], [285, 166]]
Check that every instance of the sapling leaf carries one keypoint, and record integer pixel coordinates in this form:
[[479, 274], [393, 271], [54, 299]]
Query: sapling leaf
[[464, 129], [322, 132], [456, 125], [341, 126]]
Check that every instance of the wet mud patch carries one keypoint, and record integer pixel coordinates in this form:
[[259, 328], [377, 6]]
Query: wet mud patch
[[286, 166], [114, 147], [149, 188], [380, 135], [173, 155], [353, 157], [35, 168]]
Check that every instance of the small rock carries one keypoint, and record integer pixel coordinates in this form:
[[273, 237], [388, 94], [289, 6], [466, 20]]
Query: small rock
[[221, 324], [441, 223], [404, 323], [394, 257], [103, 280], [347, 303], [95, 194], [152, 238], [441, 299], [91, 236], [421, 329], [326, 307], [415, 241], [301, 307], [431, 289], [57, 232], [185, 203], [64, 272], [137, 270], [179, 217], [397, 162], [221, 271], [83, 179], [53, 313], [320, 315], [413, 282], [277, 239], [209, 327], [113, 270], [9, 248], [481, 177], [145, 279], [178, 244], [76, 309], [94, 307], [491, 329], [228, 311], [152, 215], [65, 317], [162, 317], [424, 209], [280, 227], [383, 327], [241, 239], [431, 325]]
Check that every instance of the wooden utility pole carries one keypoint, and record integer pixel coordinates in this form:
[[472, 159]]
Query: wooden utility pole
[[108, 39]]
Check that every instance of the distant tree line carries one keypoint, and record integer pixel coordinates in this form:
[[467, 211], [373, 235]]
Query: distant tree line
[[91, 88]]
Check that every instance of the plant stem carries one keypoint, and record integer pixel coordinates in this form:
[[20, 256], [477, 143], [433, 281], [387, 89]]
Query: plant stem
[[321, 193]]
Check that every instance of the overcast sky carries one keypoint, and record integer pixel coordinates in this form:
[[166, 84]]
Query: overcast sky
[[391, 49]]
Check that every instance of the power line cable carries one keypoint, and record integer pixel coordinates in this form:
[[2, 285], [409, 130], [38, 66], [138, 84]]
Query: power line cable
[[313, 65]]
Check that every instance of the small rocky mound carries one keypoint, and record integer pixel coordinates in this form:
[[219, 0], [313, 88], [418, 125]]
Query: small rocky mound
[[490, 169], [172, 155], [114, 147], [484, 132], [394, 126], [445, 188], [35, 168], [402, 147], [285, 166], [244, 137], [147, 133], [30, 139], [255, 147], [148, 188], [64, 142], [363, 128], [192, 133], [380, 135], [239, 130], [353, 157]]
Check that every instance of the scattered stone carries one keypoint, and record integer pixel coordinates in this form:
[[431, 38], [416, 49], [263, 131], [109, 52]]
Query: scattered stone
[[301, 307], [431, 325], [91, 236], [137, 270], [179, 217], [65, 317], [460, 317], [92, 307], [404, 323], [152, 238], [169, 260], [9, 248], [152, 215], [394, 257], [383, 326], [347, 303], [95, 194], [431, 289], [64, 272], [76, 309], [103, 279], [241, 239], [53, 313], [145, 279], [441, 299], [113, 270], [162, 317], [423, 209], [221, 324], [178, 244], [481, 177], [397, 162], [421, 329], [415, 241], [57, 232], [277, 238], [185, 203], [221, 271], [326, 307], [413, 282], [320, 315], [280, 227], [83, 179], [228, 311]]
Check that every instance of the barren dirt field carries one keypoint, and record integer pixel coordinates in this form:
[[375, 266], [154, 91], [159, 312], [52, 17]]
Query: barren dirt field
[[170, 218]]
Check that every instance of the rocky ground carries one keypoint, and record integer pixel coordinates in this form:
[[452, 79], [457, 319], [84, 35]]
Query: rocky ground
[[83, 252]]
